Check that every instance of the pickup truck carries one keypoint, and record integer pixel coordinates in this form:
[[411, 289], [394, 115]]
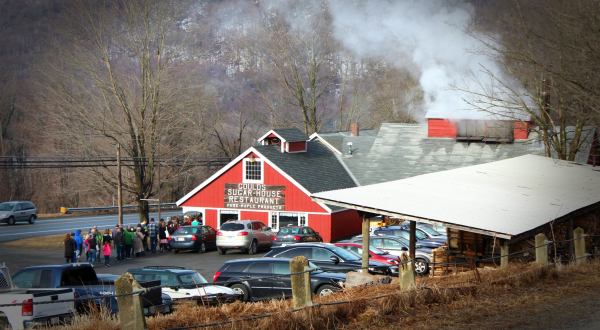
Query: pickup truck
[[29, 307], [82, 278]]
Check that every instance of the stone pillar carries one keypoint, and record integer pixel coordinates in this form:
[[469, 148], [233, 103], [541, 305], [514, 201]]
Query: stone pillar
[[131, 311], [301, 291], [504, 255], [579, 242], [407, 273], [541, 250]]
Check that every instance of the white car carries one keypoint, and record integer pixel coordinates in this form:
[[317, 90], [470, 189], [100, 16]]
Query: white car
[[185, 284], [246, 235]]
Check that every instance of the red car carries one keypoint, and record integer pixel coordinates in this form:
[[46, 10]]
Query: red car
[[375, 253]]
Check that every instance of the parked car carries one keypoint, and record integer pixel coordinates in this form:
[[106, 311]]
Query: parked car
[[246, 235], [374, 253], [199, 239], [32, 310], [167, 302], [296, 234], [422, 238], [18, 211], [82, 278], [429, 231], [397, 246], [182, 284], [252, 278], [330, 258]]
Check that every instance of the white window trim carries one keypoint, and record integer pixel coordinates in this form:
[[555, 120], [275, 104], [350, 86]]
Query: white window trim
[[262, 171], [300, 214], [226, 211]]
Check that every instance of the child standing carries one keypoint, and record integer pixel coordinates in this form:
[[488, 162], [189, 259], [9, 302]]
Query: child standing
[[107, 252]]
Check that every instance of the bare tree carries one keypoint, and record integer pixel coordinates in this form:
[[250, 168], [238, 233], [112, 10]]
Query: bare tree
[[111, 82], [552, 48]]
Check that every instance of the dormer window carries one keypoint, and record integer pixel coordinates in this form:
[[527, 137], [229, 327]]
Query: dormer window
[[253, 170]]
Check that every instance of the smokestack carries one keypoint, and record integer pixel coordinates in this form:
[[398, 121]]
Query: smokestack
[[354, 131]]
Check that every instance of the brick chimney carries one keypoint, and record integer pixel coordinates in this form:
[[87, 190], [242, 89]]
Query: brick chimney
[[354, 131]]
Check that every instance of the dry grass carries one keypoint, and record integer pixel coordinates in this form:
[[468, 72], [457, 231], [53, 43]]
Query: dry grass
[[39, 242], [454, 301]]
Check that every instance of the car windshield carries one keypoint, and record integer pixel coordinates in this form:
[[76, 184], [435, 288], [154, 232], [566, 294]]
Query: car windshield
[[377, 251], [430, 231], [186, 230], [6, 206], [191, 279], [345, 254], [232, 226], [289, 231]]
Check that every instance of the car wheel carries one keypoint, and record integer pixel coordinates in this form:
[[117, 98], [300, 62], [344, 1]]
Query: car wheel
[[202, 248], [32, 219], [326, 289], [221, 251], [242, 290], [11, 221], [421, 266], [253, 247]]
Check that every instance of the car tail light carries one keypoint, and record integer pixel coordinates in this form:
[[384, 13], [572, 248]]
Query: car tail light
[[297, 238], [169, 238], [273, 238], [219, 233], [243, 233], [27, 308], [194, 238], [216, 277]]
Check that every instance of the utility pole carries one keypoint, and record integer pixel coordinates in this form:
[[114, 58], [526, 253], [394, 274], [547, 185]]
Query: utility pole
[[119, 187], [158, 192]]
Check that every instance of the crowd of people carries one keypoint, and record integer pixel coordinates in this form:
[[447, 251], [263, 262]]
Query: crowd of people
[[124, 242]]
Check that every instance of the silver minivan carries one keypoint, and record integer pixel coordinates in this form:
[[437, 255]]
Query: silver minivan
[[246, 235], [12, 212]]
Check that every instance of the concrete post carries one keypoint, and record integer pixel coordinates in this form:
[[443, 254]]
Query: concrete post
[[504, 255], [407, 273], [131, 312], [541, 250], [579, 242], [301, 291]]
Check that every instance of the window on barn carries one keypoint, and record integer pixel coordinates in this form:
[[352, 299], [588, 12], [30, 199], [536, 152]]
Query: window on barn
[[253, 170]]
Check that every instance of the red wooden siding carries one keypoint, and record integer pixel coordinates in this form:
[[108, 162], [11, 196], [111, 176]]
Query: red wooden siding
[[440, 128], [262, 216], [321, 223], [212, 195], [345, 224], [521, 130], [296, 146], [210, 218]]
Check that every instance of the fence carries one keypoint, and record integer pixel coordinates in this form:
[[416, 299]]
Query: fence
[[163, 206], [131, 315]]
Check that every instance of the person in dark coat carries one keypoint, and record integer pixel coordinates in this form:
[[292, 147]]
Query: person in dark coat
[[70, 248]]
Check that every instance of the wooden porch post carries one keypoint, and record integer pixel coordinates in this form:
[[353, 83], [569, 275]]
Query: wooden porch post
[[365, 240], [413, 240]]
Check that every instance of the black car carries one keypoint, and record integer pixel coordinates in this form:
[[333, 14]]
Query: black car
[[330, 258], [296, 234], [257, 278], [197, 238]]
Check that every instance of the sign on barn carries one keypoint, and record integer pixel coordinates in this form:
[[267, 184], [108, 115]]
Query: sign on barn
[[254, 196]]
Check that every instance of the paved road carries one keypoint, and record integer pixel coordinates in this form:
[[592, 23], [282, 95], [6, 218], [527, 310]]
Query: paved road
[[63, 225], [205, 263]]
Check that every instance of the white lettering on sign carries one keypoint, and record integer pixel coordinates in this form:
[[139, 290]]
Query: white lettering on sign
[[254, 196]]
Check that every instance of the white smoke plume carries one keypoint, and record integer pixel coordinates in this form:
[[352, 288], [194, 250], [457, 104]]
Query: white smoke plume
[[430, 38]]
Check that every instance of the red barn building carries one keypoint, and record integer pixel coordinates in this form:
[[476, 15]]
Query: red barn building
[[272, 182]]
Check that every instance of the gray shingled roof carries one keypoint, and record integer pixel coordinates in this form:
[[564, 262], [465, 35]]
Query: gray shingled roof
[[291, 134], [403, 150], [317, 169]]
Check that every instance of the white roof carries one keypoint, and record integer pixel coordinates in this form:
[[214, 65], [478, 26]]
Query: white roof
[[503, 198]]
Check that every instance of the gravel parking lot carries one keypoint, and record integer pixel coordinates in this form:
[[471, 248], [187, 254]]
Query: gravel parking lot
[[207, 263]]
